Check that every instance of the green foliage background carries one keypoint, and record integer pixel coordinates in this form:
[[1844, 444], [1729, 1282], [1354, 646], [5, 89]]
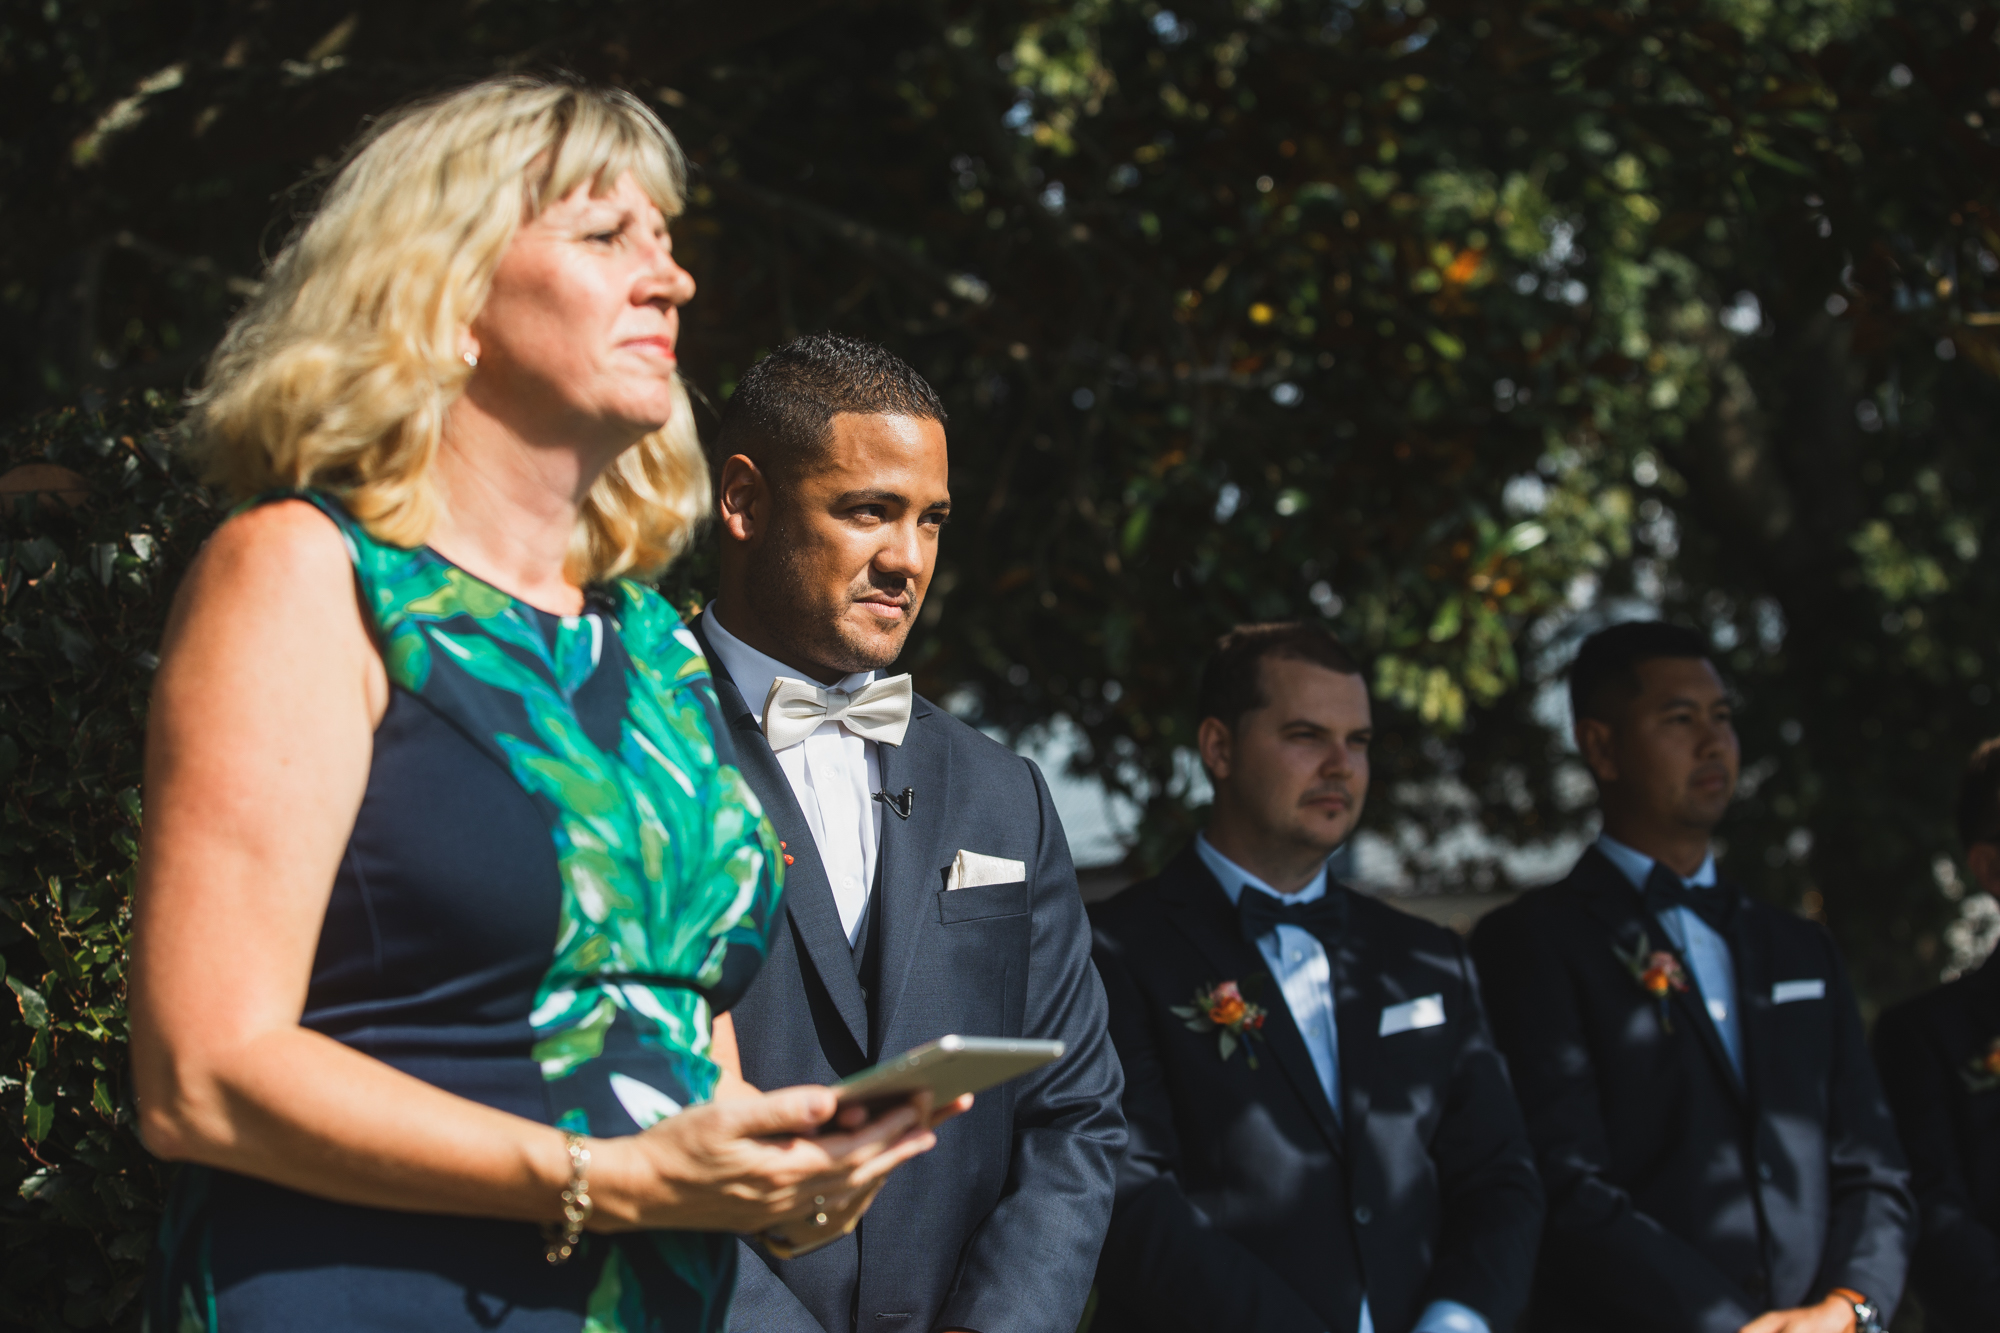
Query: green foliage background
[[1465, 326]]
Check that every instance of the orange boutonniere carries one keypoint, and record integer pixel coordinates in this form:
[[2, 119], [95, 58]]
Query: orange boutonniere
[[1982, 1072], [1221, 1009], [1658, 973]]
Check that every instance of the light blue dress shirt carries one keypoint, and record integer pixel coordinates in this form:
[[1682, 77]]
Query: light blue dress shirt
[[1707, 953], [1305, 977]]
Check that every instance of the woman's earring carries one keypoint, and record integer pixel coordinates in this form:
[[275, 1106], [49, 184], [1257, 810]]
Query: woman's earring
[[470, 358]]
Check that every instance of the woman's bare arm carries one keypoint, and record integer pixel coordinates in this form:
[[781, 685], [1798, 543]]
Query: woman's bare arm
[[258, 750]]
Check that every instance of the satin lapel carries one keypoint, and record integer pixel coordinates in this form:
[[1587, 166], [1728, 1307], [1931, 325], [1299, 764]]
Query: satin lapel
[[808, 895], [1611, 898], [1750, 956], [1201, 911], [1358, 1001], [914, 857]]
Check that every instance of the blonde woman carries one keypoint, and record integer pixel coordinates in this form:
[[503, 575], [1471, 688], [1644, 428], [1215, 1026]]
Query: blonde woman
[[448, 871]]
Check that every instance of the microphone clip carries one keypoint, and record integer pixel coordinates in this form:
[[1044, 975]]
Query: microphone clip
[[902, 805]]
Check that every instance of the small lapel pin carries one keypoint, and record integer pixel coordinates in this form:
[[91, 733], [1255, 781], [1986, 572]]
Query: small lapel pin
[[900, 804]]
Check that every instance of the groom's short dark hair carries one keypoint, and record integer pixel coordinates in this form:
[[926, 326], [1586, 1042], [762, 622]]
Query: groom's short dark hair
[[1609, 660], [781, 415], [1232, 680]]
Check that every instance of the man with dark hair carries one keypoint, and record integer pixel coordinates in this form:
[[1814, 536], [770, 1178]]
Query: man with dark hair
[[1709, 1129], [1323, 1139], [1940, 1061], [928, 888]]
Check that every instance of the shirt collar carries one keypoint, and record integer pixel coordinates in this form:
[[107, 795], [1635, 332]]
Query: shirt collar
[[753, 671], [1636, 865], [1234, 878]]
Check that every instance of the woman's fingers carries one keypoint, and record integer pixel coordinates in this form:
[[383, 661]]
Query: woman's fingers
[[958, 1105], [801, 1110], [859, 1144], [913, 1144]]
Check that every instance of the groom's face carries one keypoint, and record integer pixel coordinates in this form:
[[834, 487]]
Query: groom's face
[[843, 572]]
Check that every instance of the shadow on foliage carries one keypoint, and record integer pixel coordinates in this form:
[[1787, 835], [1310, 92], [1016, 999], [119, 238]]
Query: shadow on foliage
[[97, 521]]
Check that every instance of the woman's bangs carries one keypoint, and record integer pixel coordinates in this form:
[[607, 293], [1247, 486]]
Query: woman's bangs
[[605, 143]]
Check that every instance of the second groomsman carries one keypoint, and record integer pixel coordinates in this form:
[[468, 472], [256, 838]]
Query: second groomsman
[[1707, 1122], [928, 887], [1322, 1135]]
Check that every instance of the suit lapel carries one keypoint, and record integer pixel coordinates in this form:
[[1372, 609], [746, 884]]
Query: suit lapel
[[1358, 1000], [913, 857], [1611, 898], [1201, 911], [1750, 952], [808, 896]]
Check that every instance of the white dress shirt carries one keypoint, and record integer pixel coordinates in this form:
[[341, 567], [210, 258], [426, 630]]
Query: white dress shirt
[[1707, 953], [1305, 977], [833, 772]]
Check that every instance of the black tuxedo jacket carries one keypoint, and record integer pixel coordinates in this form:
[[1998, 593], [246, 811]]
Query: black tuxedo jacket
[[1244, 1204], [1679, 1198], [996, 1229], [1951, 1131]]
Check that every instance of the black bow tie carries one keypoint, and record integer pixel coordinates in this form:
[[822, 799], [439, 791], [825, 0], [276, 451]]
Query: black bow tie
[[1713, 903], [1324, 917]]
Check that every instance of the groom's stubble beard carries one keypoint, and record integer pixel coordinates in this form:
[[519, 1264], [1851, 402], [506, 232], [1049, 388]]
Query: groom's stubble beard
[[792, 601]]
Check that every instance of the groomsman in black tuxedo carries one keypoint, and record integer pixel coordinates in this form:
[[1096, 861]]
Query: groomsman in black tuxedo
[[1323, 1138], [928, 887], [1708, 1125], [1940, 1060]]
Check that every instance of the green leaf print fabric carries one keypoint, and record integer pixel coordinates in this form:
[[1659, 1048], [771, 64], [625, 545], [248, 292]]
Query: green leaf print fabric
[[670, 882]]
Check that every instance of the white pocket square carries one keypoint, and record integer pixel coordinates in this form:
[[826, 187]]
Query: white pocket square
[[1784, 992], [1426, 1011], [971, 869]]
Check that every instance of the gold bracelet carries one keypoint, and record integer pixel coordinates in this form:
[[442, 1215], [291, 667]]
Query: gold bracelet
[[564, 1236]]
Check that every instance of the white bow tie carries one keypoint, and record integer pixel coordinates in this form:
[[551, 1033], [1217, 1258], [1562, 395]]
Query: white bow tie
[[879, 711]]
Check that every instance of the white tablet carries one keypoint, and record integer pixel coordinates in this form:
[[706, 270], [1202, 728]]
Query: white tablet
[[948, 1066]]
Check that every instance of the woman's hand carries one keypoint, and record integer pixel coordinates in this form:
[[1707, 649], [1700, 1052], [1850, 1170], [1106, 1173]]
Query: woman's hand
[[840, 1214], [755, 1162]]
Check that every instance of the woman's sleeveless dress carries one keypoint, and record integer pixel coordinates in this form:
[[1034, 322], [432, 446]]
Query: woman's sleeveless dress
[[556, 877]]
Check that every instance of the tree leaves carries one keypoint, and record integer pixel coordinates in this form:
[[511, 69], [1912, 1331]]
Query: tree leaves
[[99, 574], [34, 1009]]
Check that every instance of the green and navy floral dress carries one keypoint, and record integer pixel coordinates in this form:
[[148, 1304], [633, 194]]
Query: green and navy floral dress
[[557, 877]]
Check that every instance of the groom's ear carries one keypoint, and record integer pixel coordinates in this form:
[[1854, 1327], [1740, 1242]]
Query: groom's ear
[[743, 499]]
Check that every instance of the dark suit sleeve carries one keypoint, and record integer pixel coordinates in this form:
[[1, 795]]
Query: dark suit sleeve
[[1488, 1190], [1027, 1269], [763, 1303], [1634, 1268], [1156, 1229], [1957, 1268], [1872, 1216]]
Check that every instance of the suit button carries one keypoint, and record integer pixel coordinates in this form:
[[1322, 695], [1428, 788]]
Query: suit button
[[1363, 1214], [1764, 1172]]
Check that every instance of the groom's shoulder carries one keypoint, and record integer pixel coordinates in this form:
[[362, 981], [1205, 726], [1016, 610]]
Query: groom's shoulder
[[970, 748]]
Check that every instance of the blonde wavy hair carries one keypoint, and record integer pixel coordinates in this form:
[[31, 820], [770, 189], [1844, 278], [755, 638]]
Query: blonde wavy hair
[[339, 372]]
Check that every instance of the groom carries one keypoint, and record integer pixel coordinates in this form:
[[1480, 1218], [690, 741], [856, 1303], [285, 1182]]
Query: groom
[[928, 885]]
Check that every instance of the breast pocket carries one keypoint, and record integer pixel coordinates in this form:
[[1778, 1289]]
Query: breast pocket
[[982, 902]]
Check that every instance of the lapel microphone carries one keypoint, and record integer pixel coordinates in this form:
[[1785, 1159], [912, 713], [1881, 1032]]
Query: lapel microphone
[[900, 804]]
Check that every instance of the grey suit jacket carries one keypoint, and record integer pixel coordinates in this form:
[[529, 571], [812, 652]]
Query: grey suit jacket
[[997, 1229]]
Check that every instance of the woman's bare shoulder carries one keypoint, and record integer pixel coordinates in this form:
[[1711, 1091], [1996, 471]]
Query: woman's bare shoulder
[[282, 539], [288, 564]]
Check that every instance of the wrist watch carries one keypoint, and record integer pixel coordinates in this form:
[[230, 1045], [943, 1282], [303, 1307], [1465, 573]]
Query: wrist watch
[[1867, 1318]]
